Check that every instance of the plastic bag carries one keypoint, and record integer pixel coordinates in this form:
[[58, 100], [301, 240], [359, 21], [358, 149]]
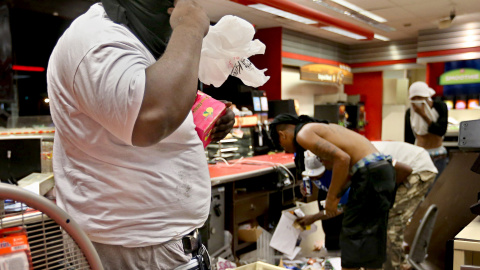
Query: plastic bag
[[225, 50]]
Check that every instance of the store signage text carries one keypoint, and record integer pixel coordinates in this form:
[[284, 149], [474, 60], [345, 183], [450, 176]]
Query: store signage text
[[327, 73], [460, 76]]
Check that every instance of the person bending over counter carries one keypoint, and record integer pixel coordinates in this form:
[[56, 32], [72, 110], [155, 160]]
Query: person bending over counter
[[411, 190], [352, 157], [415, 173]]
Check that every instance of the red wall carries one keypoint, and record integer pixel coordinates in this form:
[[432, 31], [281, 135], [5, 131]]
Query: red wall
[[370, 86], [434, 70], [271, 60]]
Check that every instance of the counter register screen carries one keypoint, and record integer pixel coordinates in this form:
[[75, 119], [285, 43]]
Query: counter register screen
[[264, 102], [256, 104]]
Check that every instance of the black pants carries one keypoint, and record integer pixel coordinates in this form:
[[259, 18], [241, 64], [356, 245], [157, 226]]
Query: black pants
[[364, 231]]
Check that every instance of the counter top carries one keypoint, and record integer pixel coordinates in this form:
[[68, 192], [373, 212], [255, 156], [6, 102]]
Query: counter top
[[471, 231], [221, 172]]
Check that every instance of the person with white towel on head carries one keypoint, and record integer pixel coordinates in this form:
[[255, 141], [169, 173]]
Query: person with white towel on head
[[426, 123]]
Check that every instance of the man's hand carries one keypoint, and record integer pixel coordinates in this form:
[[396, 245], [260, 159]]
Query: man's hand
[[419, 108], [190, 13], [307, 220], [224, 124], [331, 207]]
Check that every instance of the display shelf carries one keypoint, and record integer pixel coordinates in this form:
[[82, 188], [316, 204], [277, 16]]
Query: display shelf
[[27, 131], [246, 121]]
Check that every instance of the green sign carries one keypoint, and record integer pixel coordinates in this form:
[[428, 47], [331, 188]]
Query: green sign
[[460, 76]]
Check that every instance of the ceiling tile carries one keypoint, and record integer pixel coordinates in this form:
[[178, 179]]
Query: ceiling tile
[[430, 10], [394, 14], [371, 4], [409, 2]]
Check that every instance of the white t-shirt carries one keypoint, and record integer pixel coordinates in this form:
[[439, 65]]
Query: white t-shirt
[[118, 193], [412, 155]]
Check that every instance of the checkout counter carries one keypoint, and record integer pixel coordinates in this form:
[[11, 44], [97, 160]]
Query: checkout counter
[[255, 190], [466, 246]]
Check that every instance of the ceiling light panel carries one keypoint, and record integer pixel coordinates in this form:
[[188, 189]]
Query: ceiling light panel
[[282, 13], [342, 32], [380, 37], [357, 13], [360, 10]]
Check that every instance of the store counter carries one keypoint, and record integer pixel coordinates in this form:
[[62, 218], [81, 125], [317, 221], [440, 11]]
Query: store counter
[[222, 172], [466, 246], [250, 190]]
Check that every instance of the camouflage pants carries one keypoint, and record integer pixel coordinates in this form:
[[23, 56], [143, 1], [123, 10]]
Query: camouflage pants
[[406, 202]]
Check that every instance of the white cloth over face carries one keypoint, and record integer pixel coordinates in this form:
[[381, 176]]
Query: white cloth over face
[[421, 89], [419, 125], [225, 50]]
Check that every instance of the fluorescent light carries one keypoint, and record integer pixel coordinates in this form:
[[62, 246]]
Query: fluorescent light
[[345, 8], [373, 16], [380, 37], [343, 32], [360, 10], [282, 13]]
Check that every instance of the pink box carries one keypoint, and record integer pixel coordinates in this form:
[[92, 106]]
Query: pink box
[[206, 111]]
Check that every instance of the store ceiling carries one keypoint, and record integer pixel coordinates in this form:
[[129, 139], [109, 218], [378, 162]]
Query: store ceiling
[[406, 16]]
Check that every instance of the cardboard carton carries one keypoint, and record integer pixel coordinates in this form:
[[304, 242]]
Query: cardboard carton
[[250, 235], [206, 111]]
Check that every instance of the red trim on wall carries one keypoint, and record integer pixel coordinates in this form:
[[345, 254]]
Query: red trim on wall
[[271, 60], [384, 63], [448, 52], [370, 86], [312, 59], [28, 68], [433, 72]]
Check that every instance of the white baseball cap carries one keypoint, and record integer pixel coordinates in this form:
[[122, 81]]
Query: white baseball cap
[[313, 166], [420, 89]]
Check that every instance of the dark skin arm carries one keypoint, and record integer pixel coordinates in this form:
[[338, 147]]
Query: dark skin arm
[[309, 219], [171, 82], [224, 124], [327, 151], [403, 171]]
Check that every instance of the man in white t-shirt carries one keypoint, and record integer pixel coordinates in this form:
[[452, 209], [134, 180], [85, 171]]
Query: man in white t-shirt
[[409, 194], [129, 166]]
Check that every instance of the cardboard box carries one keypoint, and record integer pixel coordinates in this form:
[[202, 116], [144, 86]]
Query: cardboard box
[[39, 183], [206, 111], [249, 235], [259, 266]]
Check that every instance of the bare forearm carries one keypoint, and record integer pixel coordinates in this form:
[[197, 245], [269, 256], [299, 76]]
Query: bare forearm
[[171, 82], [339, 177]]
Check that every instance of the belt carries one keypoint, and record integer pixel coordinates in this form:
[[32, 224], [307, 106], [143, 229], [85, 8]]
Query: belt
[[192, 244], [366, 161]]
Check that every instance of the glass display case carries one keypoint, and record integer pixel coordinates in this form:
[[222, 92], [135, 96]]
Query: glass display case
[[236, 145]]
